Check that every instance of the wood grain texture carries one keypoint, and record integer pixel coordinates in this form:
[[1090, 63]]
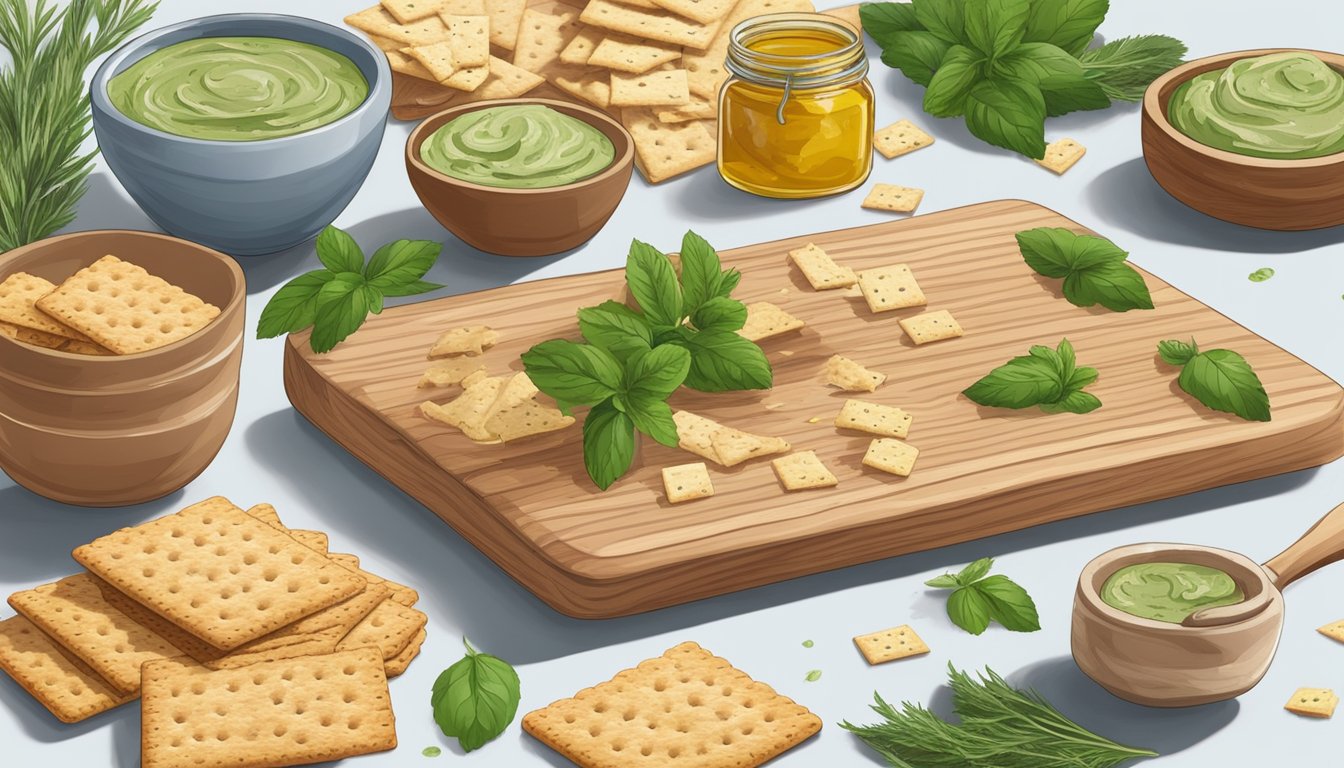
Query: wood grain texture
[[530, 506]]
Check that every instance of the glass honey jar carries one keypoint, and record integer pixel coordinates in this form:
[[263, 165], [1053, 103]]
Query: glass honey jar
[[796, 115]]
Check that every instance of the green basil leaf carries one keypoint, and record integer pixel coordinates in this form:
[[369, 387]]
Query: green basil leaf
[[958, 74], [1009, 604], [342, 306], [1087, 251], [294, 306], [1008, 114], [917, 54], [656, 374], [944, 18], [700, 272], [401, 262], [1094, 269], [574, 374], [1073, 402], [475, 699], [621, 332], [728, 281], [1175, 352], [1080, 378], [1116, 287], [653, 417], [1059, 76], [1222, 380], [1068, 24], [338, 251], [995, 27], [720, 314], [1019, 383], [723, 361], [975, 571], [1068, 361], [968, 609], [413, 288], [946, 581], [608, 443], [653, 282], [1047, 250], [374, 298], [881, 20]]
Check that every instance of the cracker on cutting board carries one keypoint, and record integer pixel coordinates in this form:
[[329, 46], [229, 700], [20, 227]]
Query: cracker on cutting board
[[545, 31], [894, 198], [389, 628], [580, 47], [803, 471], [722, 444], [450, 372], [766, 320], [900, 138], [660, 25], [471, 340], [891, 644], [468, 412], [931, 326], [893, 287], [526, 419], [624, 53], [1062, 155], [407, 65], [687, 708], [664, 150], [217, 573], [696, 109], [378, 21], [506, 16], [820, 269], [292, 712], [662, 87], [64, 685], [850, 376], [686, 482], [1313, 702], [18, 306], [874, 418], [891, 456], [435, 58], [470, 39], [590, 85], [408, 11]]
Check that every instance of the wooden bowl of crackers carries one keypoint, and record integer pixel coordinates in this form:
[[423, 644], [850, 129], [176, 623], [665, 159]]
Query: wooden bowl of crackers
[[119, 363], [523, 222]]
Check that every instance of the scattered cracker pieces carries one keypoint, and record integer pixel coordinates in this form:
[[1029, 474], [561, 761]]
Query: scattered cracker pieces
[[892, 456], [1062, 155], [687, 482], [888, 288], [1313, 702], [931, 326], [766, 320], [820, 269], [721, 444], [450, 372], [890, 645], [850, 376], [893, 198], [874, 418], [803, 471], [471, 340], [900, 138]]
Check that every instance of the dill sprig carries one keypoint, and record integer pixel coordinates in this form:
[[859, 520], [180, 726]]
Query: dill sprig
[[1125, 67], [1001, 727], [44, 106]]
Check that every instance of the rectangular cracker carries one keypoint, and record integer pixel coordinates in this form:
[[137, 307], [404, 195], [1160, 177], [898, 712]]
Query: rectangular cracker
[[686, 482], [820, 269], [1334, 631], [389, 628], [265, 513], [526, 419], [316, 540], [900, 138], [696, 109], [64, 685], [504, 81], [802, 471], [850, 376], [931, 326], [874, 418], [461, 8], [1313, 702], [35, 338], [707, 73], [663, 87], [74, 614], [687, 702], [449, 373], [894, 198], [666, 150], [633, 55], [397, 666], [703, 11], [18, 306], [660, 25], [893, 287], [545, 31], [1062, 155], [891, 644], [217, 573], [590, 85], [436, 59], [765, 320], [378, 21], [581, 46], [293, 712], [148, 311], [506, 16], [471, 340], [408, 11], [405, 64], [892, 456]]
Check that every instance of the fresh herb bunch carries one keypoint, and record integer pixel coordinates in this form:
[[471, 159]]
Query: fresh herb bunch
[[978, 598], [1045, 377], [336, 300], [475, 699], [1094, 269], [685, 331], [44, 106], [1001, 727], [1219, 378], [1006, 65]]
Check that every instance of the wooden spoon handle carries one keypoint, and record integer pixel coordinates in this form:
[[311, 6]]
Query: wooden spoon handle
[[1320, 546]]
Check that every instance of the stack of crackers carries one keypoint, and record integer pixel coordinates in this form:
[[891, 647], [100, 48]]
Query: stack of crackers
[[248, 643], [111, 307]]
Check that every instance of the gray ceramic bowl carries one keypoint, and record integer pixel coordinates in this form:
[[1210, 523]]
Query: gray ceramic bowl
[[245, 197]]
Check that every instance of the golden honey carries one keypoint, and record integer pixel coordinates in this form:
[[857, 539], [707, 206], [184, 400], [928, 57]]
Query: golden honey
[[796, 115]]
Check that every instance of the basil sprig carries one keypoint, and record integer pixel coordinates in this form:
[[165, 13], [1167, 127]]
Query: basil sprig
[[1045, 377], [1219, 378], [475, 699], [1094, 270], [978, 598]]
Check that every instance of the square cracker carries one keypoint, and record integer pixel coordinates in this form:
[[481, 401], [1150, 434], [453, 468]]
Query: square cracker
[[590, 85], [126, 309], [450, 372], [623, 53], [293, 712], [893, 287], [407, 11], [931, 326], [893, 197], [680, 704], [850, 376], [217, 573], [900, 138], [891, 456], [390, 627], [400, 592], [74, 613], [1062, 155], [378, 21], [765, 320], [18, 306], [506, 16], [891, 644], [802, 471], [471, 340], [65, 686], [663, 87], [665, 150], [544, 32], [1313, 702], [36, 338], [398, 665], [660, 25], [703, 11], [686, 482], [820, 269], [874, 418], [696, 109], [580, 48], [1334, 631], [436, 59]]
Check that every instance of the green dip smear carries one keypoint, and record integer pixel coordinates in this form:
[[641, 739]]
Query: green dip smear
[[520, 146], [239, 88], [1284, 105], [1169, 591]]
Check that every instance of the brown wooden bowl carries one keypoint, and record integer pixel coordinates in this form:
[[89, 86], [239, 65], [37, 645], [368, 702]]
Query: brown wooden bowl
[[1254, 191], [523, 222], [115, 430]]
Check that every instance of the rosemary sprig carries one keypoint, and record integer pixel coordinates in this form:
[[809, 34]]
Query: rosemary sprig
[[44, 107], [1001, 727]]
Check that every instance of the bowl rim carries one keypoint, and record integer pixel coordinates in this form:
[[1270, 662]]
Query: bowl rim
[[238, 295], [587, 114], [147, 43], [1156, 110]]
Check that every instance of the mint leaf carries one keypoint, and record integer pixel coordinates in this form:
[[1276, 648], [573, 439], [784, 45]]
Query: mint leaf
[[608, 443], [1175, 352], [951, 85], [1068, 24], [653, 282], [1019, 383], [946, 581], [1220, 379], [475, 699], [880, 20], [573, 374], [294, 306], [617, 329], [1008, 114], [975, 571], [722, 361], [338, 251], [653, 417], [656, 374], [720, 314], [1094, 269], [968, 609], [1009, 604], [1059, 76], [342, 306], [700, 272], [944, 18], [401, 262], [995, 27], [916, 54]]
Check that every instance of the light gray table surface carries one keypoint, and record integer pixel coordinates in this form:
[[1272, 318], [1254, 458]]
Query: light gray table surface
[[273, 455]]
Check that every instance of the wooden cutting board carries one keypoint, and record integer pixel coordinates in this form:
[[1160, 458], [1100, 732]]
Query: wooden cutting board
[[531, 508]]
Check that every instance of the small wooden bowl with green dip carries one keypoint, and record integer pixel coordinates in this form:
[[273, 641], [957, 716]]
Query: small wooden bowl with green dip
[[538, 220], [1193, 654], [1279, 190]]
